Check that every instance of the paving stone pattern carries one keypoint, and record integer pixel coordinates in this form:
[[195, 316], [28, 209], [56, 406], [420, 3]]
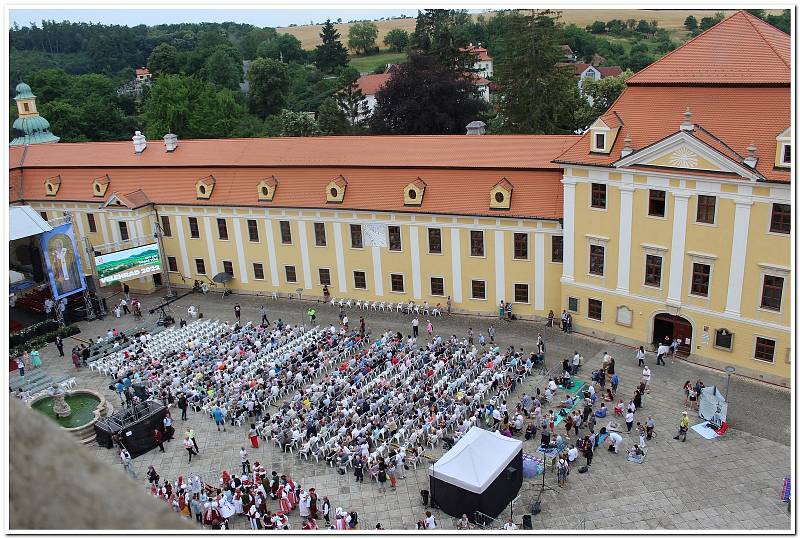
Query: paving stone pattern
[[733, 482]]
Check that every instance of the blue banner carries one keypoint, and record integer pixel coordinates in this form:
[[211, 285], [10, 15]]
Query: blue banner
[[62, 261]]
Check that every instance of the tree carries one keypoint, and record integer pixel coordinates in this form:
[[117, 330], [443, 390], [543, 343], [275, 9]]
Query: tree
[[708, 22], [253, 39], [605, 91], [643, 27], [166, 109], [285, 48], [163, 60], [350, 98], [297, 124], [631, 23], [269, 81], [535, 95], [330, 118], [66, 120], [423, 97], [782, 22], [690, 23], [361, 37], [638, 58], [615, 26], [598, 27], [397, 39], [331, 53], [224, 67], [435, 35]]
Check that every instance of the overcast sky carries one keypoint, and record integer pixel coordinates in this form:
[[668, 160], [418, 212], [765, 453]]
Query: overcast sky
[[256, 17]]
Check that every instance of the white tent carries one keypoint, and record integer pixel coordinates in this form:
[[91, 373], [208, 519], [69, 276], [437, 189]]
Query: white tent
[[24, 221], [476, 460]]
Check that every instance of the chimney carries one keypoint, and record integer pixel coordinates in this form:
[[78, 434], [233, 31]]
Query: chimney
[[687, 124], [627, 149], [476, 128], [751, 160], [139, 142], [170, 142]]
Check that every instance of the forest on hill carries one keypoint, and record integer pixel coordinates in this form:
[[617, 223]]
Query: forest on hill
[[212, 80]]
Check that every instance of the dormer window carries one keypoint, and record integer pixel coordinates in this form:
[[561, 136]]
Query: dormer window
[[413, 193], [600, 141], [334, 191], [783, 150], [266, 189], [51, 185], [204, 187], [602, 135], [500, 195], [100, 185]]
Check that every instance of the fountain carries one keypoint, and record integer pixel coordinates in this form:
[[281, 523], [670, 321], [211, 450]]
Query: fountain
[[75, 410], [60, 406]]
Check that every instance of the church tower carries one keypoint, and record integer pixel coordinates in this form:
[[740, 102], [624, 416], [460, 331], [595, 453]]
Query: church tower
[[29, 127]]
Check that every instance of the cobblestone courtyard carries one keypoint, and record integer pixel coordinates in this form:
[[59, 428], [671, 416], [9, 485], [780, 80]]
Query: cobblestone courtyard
[[732, 482]]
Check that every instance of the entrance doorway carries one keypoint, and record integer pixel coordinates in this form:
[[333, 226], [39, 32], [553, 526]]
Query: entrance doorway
[[667, 327]]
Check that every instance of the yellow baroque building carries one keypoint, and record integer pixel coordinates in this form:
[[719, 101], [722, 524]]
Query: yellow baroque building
[[670, 217]]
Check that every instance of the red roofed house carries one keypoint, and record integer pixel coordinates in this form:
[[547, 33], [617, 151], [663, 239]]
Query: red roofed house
[[588, 71], [142, 73]]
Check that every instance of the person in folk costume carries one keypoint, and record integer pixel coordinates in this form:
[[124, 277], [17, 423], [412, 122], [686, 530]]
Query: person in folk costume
[[304, 503], [310, 524], [226, 477], [262, 501], [292, 492], [283, 499], [226, 510], [274, 484], [212, 514], [237, 502], [326, 509], [266, 521], [255, 517], [312, 504], [341, 522], [281, 521], [246, 501]]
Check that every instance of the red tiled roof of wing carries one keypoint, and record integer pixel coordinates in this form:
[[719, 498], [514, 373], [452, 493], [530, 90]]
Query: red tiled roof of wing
[[742, 49], [370, 84], [737, 115], [537, 193], [467, 151]]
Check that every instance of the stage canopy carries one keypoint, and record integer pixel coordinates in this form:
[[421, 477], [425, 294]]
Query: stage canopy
[[476, 460], [24, 221]]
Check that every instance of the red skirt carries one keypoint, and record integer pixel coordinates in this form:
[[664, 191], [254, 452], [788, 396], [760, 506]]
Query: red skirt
[[254, 441]]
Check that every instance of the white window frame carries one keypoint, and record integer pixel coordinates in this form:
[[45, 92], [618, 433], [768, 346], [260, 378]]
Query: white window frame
[[263, 273], [757, 336], [178, 270], [324, 231], [389, 241], [404, 283], [514, 290], [485, 290], [593, 208], [653, 250], [205, 272], [366, 280], [430, 285], [280, 234], [733, 339], [514, 246], [258, 231], [330, 276], [602, 309], [350, 232], [599, 241], [428, 239], [666, 202], [227, 231], [701, 258], [697, 207], [772, 271], [483, 242]]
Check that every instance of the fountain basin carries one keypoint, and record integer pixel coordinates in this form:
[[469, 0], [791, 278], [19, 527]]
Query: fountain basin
[[87, 407]]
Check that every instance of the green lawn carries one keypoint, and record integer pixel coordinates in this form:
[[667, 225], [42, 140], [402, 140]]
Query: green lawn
[[368, 64]]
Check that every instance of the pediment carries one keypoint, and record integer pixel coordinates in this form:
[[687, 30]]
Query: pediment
[[684, 151], [116, 201]]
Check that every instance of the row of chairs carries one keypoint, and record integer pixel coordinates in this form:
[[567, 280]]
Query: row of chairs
[[402, 308]]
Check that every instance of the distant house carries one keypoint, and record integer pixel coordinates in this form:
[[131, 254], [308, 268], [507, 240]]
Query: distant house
[[369, 86], [143, 74], [569, 54], [588, 71], [484, 65]]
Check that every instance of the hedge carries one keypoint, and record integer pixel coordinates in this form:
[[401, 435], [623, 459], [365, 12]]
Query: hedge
[[32, 331], [43, 340]]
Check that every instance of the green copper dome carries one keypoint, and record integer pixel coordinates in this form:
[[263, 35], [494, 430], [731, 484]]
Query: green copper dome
[[30, 128], [24, 91]]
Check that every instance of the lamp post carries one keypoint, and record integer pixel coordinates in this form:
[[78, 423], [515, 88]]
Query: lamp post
[[729, 370]]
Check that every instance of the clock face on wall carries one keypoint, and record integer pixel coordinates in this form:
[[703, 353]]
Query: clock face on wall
[[375, 236]]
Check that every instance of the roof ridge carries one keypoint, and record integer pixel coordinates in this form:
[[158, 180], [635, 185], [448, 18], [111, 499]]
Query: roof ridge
[[715, 137], [749, 18]]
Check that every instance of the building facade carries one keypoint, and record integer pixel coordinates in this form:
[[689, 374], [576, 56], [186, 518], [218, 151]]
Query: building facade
[[670, 217]]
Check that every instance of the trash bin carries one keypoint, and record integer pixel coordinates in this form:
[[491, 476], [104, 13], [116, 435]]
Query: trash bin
[[425, 494], [527, 522]]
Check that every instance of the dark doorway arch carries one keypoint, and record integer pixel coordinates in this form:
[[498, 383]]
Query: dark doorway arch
[[669, 326]]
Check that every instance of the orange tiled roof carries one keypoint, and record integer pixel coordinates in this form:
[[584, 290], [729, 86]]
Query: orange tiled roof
[[377, 170], [735, 115], [370, 84], [742, 49], [480, 52], [468, 151]]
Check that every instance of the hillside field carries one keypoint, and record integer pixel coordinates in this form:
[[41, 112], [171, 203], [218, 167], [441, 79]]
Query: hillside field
[[667, 18]]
